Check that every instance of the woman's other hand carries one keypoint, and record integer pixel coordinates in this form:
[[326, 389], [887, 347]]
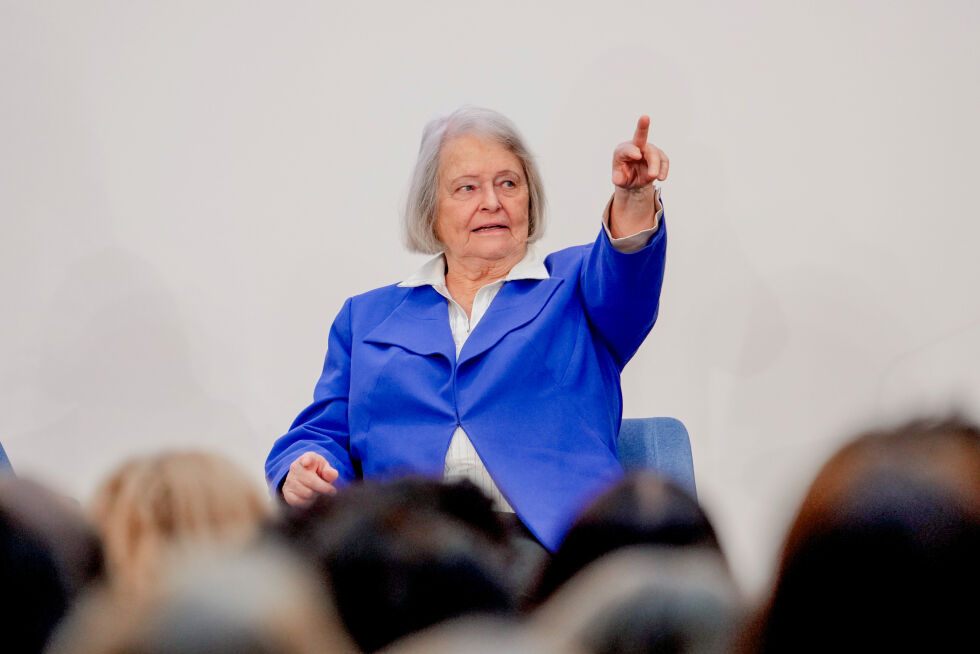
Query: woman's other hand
[[309, 475], [636, 165]]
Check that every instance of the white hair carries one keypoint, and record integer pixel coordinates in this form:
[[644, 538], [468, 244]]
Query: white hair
[[420, 209]]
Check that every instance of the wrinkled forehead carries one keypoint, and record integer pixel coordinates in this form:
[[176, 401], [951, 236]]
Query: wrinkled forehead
[[473, 153]]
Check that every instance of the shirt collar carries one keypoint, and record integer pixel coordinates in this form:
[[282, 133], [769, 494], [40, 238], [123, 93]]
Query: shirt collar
[[433, 272]]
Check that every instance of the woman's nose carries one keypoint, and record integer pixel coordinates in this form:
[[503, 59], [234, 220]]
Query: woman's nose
[[489, 201]]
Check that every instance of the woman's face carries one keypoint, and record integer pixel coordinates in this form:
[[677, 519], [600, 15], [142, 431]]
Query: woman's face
[[483, 201]]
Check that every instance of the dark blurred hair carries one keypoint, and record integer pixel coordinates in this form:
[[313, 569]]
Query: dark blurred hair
[[642, 509], [404, 555], [885, 548], [48, 554]]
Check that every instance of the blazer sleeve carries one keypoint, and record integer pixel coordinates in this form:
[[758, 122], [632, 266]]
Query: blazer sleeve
[[322, 427], [621, 292]]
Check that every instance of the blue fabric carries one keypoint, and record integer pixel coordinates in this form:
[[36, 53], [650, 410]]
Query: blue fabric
[[5, 467], [536, 386], [661, 445]]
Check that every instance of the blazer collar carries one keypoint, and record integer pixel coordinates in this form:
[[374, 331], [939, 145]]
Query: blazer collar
[[420, 323], [517, 304]]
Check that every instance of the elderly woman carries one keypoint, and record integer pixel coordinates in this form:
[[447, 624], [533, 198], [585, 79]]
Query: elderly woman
[[489, 363]]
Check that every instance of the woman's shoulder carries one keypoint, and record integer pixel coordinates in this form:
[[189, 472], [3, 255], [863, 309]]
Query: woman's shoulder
[[365, 311], [568, 261], [385, 298]]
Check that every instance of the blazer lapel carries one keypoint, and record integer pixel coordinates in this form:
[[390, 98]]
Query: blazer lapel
[[419, 324], [517, 303]]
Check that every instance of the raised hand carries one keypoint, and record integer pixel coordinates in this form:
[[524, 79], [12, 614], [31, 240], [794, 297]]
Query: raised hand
[[309, 475], [636, 163]]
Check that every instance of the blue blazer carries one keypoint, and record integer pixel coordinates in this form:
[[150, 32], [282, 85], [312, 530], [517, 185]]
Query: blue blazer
[[536, 386]]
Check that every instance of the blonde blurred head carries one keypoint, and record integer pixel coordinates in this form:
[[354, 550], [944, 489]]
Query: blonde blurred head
[[152, 509]]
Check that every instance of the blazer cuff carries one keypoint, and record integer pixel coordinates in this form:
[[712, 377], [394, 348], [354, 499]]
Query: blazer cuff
[[633, 242]]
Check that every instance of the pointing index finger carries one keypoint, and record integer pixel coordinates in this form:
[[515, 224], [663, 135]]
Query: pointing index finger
[[640, 135]]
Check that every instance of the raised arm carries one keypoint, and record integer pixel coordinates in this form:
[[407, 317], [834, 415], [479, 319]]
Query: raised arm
[[621, 280]]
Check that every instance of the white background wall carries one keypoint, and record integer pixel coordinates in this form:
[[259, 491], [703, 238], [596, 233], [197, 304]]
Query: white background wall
[[189, 190]]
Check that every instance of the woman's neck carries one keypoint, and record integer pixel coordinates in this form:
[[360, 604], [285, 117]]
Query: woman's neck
[[464, 277]]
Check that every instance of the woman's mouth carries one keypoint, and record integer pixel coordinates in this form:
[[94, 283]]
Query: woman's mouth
[[488, 228]]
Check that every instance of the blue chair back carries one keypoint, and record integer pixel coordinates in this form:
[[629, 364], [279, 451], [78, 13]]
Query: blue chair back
[[658, 444], [5, 467]]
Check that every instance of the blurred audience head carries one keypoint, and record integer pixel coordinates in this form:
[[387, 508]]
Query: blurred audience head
[[256, 601], [642, 599], [152, 509], [642, 509], [884, 548], [48, 554], [473, 635], [403, 555]]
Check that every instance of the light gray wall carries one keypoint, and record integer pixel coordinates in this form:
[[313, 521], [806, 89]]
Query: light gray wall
[[189, 190]]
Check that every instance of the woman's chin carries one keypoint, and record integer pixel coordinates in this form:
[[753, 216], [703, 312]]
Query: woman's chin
[[502, 251]]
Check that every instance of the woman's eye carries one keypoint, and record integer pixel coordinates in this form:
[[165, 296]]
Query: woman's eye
[[467, 187], [509, 184]]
